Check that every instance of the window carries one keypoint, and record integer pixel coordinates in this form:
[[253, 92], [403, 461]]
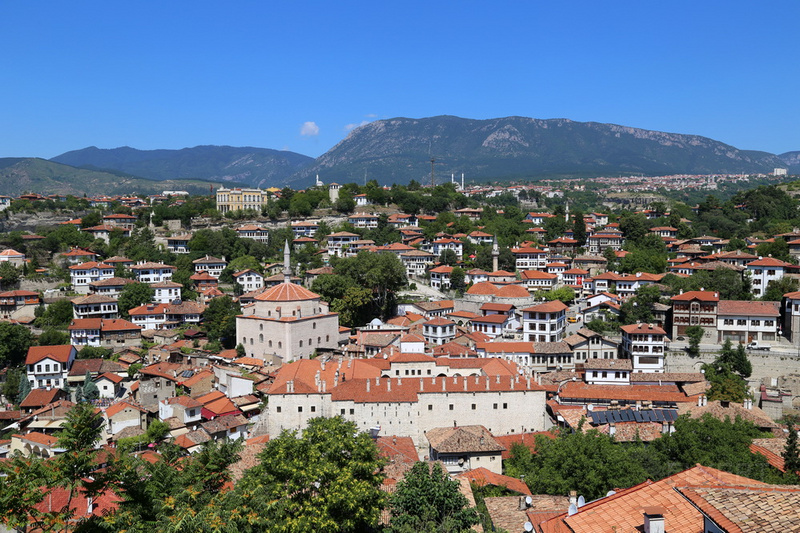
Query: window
[[299, 408], [430, 407], [494, 406], [278, 409], [755, 322], [450, 406], [352, 411], [313, 408], [505, 406], [474, 406]]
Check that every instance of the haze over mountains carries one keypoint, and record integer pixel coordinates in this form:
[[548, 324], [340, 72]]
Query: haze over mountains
[[400, 149]]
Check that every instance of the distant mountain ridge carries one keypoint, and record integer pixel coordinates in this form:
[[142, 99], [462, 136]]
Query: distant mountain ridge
[[792, 161], [258, 167], [400, 149], [19, 174]]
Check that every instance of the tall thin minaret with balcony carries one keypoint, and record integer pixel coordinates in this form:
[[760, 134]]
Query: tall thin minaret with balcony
[[287, 265]]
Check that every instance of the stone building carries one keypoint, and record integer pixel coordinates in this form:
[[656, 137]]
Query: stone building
[[287, 322]]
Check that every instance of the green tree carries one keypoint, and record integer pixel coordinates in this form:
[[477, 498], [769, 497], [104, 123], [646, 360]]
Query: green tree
[[14, 388], [57, 314], [28, 480], [695, 334], [448, 257], [588, 462], [9, 275], [15, 340], [133, 295], [53, 337], [722, 444], [220, 320], [427, 499], [457, 279], [354, 306], [791, 453], [777, 288], [579, 228], [325, 478], [90, 390]]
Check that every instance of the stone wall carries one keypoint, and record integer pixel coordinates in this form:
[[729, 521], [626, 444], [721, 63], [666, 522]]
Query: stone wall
[[766, 365]]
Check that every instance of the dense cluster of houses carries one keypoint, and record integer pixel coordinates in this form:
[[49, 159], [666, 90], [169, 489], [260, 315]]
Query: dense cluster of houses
[[420, 380]]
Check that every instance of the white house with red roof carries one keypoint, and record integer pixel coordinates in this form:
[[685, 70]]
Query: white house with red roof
[[438, 331], [440, 277], [527, 258], [149, 272], [83, 274], [645, 345], [108, 333], [627, 285], [447, 243], [249, 279], [340, 241], [545, 322], [165, 292], [748, 321], [48, 366], [78, 255], [493, 326], [12, 256], [536, 280], [764, 270], [109, 384]]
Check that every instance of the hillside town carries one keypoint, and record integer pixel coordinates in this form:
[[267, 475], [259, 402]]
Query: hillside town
[[470, 328]]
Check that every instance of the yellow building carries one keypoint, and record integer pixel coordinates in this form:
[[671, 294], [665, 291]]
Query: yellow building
[[240, 199]]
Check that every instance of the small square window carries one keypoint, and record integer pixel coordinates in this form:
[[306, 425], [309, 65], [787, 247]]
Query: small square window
[[313, 408], [299, 408], [494, 406], [474, 406], [278, 409], [430, 407], [352, 411], [451, 406], [505, 406]]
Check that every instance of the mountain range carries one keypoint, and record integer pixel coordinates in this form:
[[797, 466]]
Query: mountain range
[[258, 167], [400, 149], [31, 174]]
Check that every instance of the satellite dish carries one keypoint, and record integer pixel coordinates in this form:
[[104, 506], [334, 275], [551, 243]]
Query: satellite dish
[[610, 493], [572, 509], [528, 501], [581, 501], [590, 407], [528, 526]]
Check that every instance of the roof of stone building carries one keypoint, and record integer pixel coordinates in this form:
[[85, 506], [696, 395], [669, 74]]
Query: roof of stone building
[[463, 439]]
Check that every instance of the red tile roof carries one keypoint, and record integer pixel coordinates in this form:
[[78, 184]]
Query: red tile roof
[[287, 292], [59, 353]]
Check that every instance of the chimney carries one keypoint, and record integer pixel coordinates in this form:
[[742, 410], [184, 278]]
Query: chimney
[[699, 400], [612, 429], [465, 384], [487, 382], [654, 520], [421, 384], [322, 364], [444, 384], [325, 385], [368, 382], [573, 497], [389, 385]]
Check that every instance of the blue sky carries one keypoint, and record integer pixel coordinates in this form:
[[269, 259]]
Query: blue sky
[[299, 75]]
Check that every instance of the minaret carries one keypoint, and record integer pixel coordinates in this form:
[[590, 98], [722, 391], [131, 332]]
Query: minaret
[[287, 265], [495, 255]]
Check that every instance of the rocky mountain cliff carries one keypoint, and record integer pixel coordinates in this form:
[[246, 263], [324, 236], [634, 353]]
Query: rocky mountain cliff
[[398, 150]]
